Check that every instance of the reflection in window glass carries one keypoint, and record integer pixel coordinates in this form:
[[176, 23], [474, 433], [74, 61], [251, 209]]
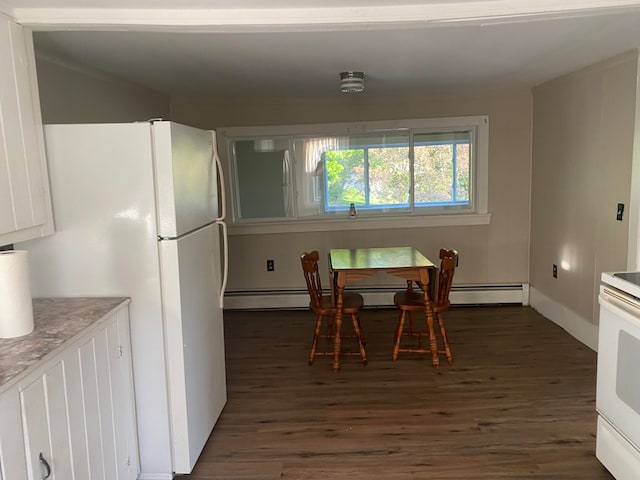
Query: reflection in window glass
[[386, 171], [263, 176]]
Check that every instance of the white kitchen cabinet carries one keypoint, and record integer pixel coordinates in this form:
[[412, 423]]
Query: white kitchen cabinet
[[25, 202], [73, 415], [12, 454], [44, 418]]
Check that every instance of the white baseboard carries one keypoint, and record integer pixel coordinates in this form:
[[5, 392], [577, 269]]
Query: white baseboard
[[578, 327], [378, 297], [155, 476]]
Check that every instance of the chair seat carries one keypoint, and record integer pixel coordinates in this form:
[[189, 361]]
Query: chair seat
[[409, 300], [414, 301], [352, 303]]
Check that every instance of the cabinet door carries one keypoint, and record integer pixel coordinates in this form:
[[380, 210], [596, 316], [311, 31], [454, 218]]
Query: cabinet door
[[91, 409], [12, 454], [121, 400], [124, 402], [45, 424], [25, 202], [77, 422], [108, 402], [77, 412]]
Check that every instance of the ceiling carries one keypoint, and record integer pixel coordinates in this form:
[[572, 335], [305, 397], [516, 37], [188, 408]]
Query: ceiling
[[298, 47]]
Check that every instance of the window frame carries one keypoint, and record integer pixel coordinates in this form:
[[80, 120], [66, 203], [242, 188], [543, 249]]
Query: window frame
[[478, 214]]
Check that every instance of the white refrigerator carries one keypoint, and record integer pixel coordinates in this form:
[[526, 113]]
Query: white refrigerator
[[137, 214]]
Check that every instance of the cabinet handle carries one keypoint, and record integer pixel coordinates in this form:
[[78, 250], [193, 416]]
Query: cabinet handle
[[45, 466]]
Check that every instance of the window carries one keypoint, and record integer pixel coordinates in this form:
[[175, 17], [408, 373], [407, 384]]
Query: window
[[414, 168], [442, 169], [372, 172]]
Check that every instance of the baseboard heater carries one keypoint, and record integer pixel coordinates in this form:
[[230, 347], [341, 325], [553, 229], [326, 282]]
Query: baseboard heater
[[377, 297]]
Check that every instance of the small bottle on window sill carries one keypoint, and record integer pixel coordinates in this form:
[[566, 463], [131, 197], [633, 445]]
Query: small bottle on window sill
[[352, 210]]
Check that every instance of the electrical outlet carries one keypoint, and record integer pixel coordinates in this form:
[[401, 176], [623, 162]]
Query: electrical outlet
[[270, 266], [555, 271]]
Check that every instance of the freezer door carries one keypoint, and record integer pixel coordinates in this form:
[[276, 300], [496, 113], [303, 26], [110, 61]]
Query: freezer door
[[186, 178], [190, 271]]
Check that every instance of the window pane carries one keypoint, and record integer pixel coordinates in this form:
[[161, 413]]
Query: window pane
[[370, 170], [345, 177], [433, 173], [263, 176], [463, 172], [389, 177], [442, 169], [310, 171]]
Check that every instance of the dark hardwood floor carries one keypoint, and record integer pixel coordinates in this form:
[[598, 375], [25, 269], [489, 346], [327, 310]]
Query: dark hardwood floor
[[517, 403]]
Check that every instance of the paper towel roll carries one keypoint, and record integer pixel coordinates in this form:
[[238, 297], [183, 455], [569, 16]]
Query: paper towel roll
[[16, 307]]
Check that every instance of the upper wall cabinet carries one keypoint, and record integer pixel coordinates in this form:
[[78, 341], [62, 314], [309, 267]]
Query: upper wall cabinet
[[25, 203]]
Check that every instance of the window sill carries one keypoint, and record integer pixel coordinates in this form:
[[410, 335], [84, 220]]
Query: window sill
[[359, 223]]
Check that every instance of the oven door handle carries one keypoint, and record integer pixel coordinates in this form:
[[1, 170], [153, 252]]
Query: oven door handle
[[627, 306]]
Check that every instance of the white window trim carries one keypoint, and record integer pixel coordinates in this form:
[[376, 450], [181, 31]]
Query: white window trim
[[358, 223], [481, 216]]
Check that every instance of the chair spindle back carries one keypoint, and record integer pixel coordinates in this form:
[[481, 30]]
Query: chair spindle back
[[312, 277], [448, 260]]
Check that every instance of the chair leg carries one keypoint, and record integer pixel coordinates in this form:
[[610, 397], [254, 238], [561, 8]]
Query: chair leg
[[398, 336], [433, 345], [410, 323], [316, 334], [360, 336], [330, 331], [445, 341]]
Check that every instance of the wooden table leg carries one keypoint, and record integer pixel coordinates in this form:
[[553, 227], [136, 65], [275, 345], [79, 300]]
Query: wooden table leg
[[337, 340]]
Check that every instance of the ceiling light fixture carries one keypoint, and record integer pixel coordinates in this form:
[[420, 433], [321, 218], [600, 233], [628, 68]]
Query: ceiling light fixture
[[351, 82]]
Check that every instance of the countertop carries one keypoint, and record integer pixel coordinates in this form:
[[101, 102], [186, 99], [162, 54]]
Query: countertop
[[56, 321]]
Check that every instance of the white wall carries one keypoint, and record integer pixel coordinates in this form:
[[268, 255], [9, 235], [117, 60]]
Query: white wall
[[583, 132], [489, 254], [71, 94]]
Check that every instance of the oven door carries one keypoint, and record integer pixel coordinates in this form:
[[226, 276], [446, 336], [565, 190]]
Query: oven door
[[618, 383]]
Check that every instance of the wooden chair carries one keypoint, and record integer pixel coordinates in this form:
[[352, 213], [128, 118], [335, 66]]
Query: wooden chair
[[324, 306], [409, 301]]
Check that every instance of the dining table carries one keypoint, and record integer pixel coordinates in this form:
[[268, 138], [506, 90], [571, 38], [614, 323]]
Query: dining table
[[349, 265]]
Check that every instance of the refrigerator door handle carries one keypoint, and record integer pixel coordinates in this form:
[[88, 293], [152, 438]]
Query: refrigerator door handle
[[220, 219], [225, 268], [223, 200]]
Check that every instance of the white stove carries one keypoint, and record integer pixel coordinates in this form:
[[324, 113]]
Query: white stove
[[618, 384], [627, 282]]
